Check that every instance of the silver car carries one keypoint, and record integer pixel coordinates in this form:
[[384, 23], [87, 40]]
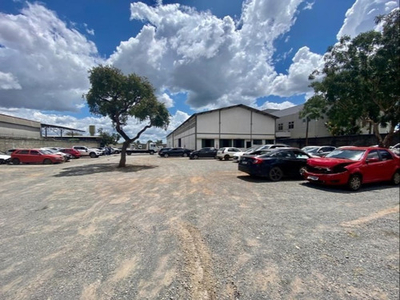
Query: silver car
[[226, 153]]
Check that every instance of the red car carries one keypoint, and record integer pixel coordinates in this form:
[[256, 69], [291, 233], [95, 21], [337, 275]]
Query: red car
[[71, 151], [34, 156], [353, 166]]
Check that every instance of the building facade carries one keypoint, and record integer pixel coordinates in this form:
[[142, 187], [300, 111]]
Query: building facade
[[290, 125], [13, 127], [235, 126]]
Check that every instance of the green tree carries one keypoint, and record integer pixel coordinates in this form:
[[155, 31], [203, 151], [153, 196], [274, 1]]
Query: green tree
[[121, 97], [361, 82], [107, 138]]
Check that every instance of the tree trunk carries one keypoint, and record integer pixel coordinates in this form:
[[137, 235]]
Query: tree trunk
[[122, 161], [387, 141], [375, 127]]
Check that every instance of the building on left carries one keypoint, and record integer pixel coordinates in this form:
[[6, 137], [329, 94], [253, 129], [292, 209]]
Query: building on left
[[17, 132]]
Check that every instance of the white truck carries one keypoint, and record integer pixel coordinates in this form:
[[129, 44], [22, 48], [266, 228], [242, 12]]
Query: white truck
[[150, 148], [85, 151]]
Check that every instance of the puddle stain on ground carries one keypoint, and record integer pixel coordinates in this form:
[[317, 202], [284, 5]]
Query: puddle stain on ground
[[101, 168]]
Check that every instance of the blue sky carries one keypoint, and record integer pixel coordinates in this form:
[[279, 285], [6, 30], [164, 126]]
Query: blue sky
[[199, 54]]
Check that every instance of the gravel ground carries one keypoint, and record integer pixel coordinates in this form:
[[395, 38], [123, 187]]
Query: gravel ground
[[173, 228]]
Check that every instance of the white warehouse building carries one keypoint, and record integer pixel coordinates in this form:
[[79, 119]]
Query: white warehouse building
[[234, 126]]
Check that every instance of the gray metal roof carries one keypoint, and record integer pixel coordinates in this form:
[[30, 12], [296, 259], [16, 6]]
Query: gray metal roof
[[287, 111]]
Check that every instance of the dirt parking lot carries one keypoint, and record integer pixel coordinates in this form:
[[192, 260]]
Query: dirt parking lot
[[173, 228]]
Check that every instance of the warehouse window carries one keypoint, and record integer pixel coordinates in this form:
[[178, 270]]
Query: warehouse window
[[238, 143], [257, 142], [280, 126], [207, 143], [291, 125], [225, 143]]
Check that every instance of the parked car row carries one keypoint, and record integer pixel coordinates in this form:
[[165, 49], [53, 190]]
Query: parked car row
[[47, 155], [346, 166]]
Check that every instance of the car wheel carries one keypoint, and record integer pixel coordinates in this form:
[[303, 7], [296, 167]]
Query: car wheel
[[354, 182], [396, 178], [15, 161], [165, 155], [275, 174], [184, 154], [92, 155], [47, 161], [226, 157], [196, 157]]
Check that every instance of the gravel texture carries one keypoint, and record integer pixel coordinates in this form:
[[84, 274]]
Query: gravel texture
[[174, 228]]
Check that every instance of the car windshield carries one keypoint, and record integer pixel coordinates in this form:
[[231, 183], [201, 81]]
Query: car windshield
[[248, 150], [313, 150], [269, 153], [261, 147], [309, 148], [346, 154], [45, 151]]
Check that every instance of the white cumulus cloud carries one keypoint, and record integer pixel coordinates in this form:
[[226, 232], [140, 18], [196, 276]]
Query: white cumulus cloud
[[361, 16], [45, 61], [216, 61], [296, 81]]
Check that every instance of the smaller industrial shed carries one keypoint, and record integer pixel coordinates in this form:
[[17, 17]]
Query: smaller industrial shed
[[234, 126], [14, 127]]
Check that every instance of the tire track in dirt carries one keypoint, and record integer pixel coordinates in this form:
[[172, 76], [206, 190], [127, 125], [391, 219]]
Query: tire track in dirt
[[198, 266], [377, 215]]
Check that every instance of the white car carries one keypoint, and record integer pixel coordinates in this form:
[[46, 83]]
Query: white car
[[236, 156], [318, 151], [4, 158], [395, 149], [226, 153], [85, 151], [65, 156]]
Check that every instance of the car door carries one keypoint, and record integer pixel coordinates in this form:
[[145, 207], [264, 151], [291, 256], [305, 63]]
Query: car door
[[206, 152], [175, 152], [34, 156], [388, 165], [287, 162], [23, 156], [373, 168]]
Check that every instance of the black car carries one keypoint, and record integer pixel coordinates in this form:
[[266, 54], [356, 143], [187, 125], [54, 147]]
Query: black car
[[176, 152], [203, 152], [160, 152], [276, 164]]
